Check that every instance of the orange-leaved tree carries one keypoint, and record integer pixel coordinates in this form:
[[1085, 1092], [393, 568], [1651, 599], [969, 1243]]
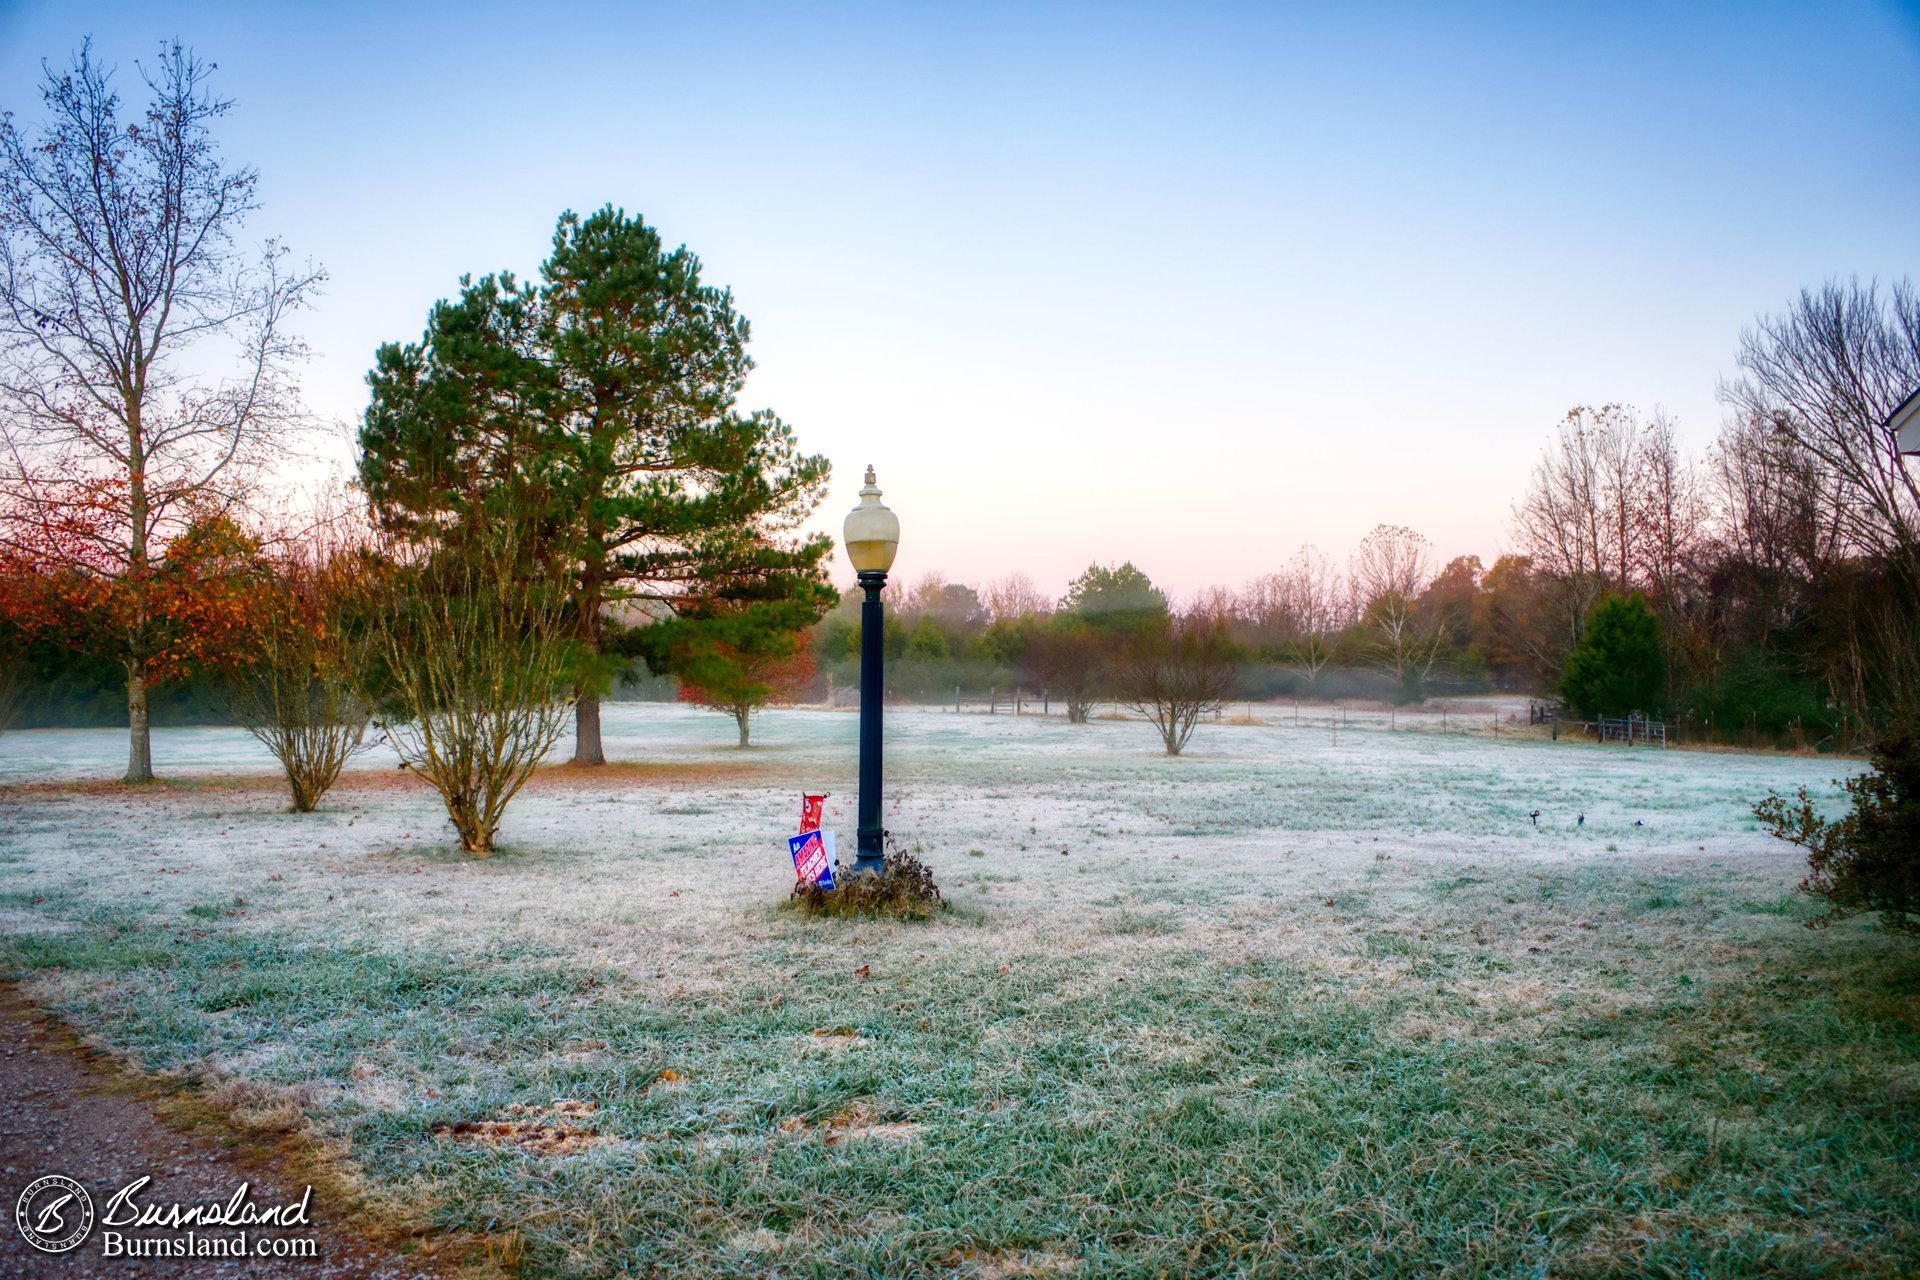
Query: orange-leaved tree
[[192, 607], [739, 662]]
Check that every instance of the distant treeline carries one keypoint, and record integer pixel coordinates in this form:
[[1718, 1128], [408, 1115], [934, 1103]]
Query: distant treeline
[[1766, 591]]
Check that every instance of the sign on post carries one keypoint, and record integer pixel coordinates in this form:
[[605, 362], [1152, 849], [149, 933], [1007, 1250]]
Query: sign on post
[[812, 850], [812, 857], [810, 813]]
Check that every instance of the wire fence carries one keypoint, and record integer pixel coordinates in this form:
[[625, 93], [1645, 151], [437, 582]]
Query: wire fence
[[1493, 716]]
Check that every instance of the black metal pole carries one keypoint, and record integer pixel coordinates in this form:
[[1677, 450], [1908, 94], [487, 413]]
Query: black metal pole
[[873, 657]]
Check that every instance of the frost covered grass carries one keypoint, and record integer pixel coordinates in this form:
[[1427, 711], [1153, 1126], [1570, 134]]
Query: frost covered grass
[[1318, 999]]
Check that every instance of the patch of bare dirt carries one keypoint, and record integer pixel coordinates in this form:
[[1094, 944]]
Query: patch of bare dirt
[[852, 1123], [558, 1129], [1009, 1264]]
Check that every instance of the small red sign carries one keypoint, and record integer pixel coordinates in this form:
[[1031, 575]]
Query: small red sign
[[810, 813]]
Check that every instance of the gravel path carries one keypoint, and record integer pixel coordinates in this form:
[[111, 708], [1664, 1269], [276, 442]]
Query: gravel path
[[61, 1114]]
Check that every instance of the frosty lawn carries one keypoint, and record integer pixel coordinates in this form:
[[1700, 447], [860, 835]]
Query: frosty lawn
[[1305, 998]]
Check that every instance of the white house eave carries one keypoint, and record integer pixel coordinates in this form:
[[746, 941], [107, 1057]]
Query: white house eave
[[1904, 422]]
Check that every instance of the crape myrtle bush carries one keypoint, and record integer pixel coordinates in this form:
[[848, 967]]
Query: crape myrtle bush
[[1869, 859], [904, 890]]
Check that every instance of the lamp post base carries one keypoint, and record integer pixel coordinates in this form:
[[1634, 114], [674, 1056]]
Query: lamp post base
[[872, 854]]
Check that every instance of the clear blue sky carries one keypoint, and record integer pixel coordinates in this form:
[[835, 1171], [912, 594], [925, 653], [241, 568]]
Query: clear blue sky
[[1189, 284]]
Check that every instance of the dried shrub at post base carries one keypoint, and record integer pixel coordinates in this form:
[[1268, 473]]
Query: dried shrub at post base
[[1868, 860], [904, 890], [300, 690], [478, 663]]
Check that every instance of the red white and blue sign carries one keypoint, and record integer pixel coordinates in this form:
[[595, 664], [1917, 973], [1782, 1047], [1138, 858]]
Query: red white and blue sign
[[812, 857]]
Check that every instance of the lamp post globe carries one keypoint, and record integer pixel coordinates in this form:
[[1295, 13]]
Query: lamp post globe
[[871, 536]]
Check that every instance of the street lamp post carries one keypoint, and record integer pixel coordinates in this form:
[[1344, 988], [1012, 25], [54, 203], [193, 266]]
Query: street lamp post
[[871, 535]]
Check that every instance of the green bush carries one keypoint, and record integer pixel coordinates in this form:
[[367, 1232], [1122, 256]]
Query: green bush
[[1616, 667], [1869, 860], [1753, 688]]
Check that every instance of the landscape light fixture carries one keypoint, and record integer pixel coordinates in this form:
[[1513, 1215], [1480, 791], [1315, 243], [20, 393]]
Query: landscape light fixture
[[871, 535]]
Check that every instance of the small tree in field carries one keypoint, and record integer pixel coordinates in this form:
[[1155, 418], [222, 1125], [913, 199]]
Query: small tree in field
[[740, 665], [1616, 667], [1070, 660], [299, 688], [1177, 673], [479, 665], [1869, 860]]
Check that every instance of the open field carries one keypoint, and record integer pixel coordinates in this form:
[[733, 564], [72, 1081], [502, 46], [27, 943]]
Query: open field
[[1304, 1000]]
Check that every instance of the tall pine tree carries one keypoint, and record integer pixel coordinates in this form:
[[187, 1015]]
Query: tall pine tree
[[611, 386]]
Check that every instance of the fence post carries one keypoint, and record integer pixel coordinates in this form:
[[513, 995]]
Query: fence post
[[1046, 704], [993, 700]]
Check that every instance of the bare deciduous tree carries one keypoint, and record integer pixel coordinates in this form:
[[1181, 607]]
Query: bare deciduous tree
[[1071, 660], [1584, 523], [1389, 570], [1177, 673], [1216, 605], [1825, 375], [1013, 597], [1818, 383], [1316, 603], [121, 284]]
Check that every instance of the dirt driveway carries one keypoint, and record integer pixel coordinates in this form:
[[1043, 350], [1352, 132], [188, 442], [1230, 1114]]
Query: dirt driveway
[[63, 1112]]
